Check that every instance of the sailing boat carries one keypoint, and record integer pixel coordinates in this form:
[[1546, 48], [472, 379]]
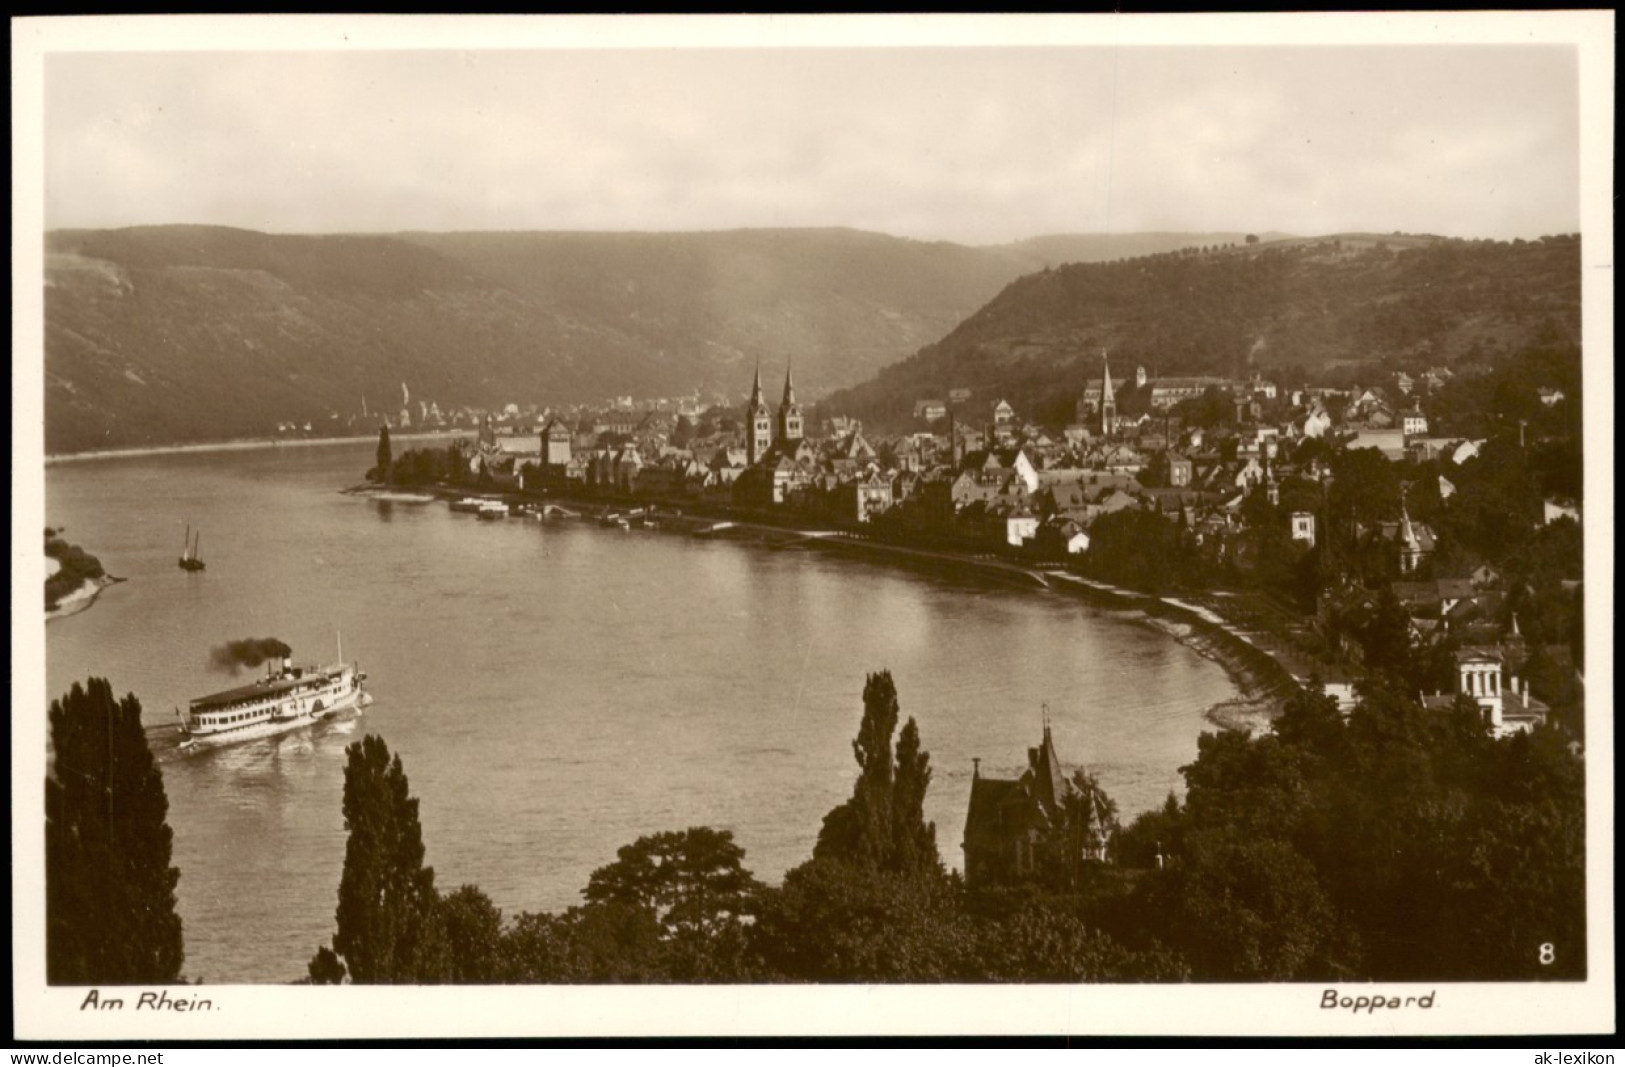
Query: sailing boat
[[189, 557]]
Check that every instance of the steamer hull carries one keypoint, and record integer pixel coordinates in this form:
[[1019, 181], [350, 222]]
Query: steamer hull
[[286, 699]]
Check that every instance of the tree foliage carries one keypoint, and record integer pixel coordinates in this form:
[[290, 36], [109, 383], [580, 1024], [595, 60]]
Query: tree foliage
[[386, 455], [694, 885], [75, 567], [389, 927], [109, 888], [882, 827], [1142, 548], [609, 942], [694, 881], [1399, 844], [426, 466], [835, 921], [472, 927]]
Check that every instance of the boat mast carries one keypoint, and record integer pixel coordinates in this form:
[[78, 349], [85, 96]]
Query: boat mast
[[340, 637], [186, 545]]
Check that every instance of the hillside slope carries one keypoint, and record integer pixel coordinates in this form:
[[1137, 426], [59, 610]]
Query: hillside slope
[[1335, 305], [186, 333], [1053, 250]]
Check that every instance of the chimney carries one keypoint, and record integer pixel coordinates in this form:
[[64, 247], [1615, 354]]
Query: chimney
[[976, 766], [287, 664], [1032, 757]]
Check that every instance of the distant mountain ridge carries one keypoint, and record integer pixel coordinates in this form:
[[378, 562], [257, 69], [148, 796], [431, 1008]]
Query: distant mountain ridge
[[172, 334], [1298, 306], [1056, 249]]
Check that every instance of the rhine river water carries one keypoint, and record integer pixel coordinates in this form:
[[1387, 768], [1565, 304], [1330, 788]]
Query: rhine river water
[[556, 689]]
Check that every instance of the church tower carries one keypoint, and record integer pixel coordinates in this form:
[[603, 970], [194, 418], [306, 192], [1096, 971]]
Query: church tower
[[1410, 546], [556, 441], [1108, 401], [790, 425], [758, 423]]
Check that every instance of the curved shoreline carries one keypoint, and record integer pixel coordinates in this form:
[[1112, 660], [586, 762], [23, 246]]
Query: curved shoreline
[[82, 598], [239, 445], [1261, 680]]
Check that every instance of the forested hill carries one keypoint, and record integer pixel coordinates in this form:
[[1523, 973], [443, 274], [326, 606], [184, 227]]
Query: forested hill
[[1052, 250], [168, 334], [1331, 307]]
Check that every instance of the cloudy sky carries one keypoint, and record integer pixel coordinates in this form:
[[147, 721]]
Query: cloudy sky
[[977, 145]]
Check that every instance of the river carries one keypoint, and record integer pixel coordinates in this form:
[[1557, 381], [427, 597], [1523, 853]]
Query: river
[[557, 689]]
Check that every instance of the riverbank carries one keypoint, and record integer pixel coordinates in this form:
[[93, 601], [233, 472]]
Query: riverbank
[[241, 445], [1263, 680], [73, 577], [81, 598]]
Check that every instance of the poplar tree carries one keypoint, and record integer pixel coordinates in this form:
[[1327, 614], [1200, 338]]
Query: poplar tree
[[882, 827], [389, 931], [109, 888], [914, 841], [386, 455]]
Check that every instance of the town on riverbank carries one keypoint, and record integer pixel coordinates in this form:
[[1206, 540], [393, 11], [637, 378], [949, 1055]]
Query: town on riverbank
[[1300, 535]]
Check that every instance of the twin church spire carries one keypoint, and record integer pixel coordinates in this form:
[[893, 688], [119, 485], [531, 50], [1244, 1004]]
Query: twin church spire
[[761, 433]]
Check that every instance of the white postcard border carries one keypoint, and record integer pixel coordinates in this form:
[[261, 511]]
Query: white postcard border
[[44, 1013]]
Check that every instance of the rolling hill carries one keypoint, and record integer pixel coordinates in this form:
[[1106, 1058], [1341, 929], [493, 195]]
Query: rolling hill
[[168, 334], [1333, 306]]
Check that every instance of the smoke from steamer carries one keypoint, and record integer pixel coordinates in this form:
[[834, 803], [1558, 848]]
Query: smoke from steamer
[[233, 656]]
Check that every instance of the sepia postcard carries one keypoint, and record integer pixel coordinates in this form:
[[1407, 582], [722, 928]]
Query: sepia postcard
[[733, 526]]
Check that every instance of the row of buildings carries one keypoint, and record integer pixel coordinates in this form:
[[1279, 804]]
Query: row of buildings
[[1004, 485]]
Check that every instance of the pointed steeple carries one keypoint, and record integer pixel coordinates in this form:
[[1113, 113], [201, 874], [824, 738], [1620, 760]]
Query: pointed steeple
[[1049, 781], [756, 388], [758, 422], [790, 423], [1407, 534]]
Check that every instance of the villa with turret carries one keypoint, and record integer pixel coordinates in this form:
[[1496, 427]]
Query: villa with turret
[[1019, 829]]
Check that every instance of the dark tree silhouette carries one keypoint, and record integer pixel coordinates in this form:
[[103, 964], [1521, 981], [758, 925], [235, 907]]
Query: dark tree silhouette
[[914, 841], [473, 930], [694, 886], [389, 929], [386, 455], [694, 881], [882, 826], [109, 889]]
